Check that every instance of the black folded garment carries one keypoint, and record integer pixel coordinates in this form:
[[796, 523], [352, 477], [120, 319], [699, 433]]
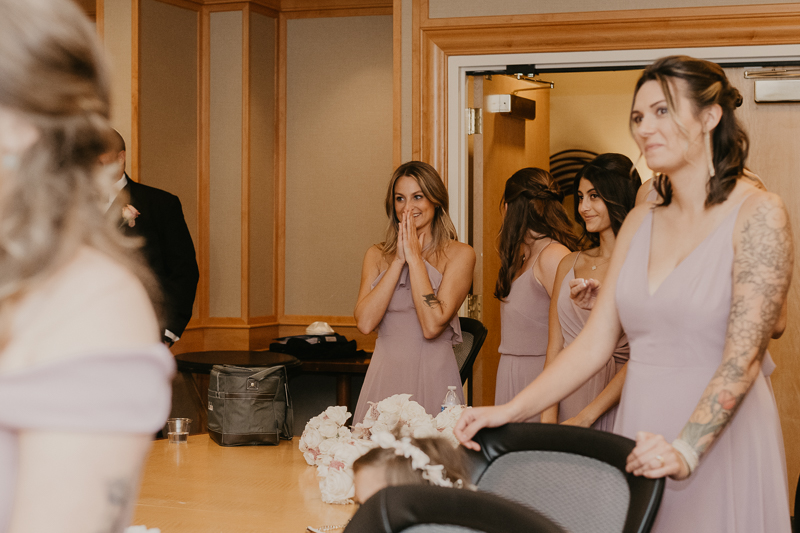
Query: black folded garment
[[317, 347]]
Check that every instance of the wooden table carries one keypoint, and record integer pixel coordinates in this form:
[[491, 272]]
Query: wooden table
[[200, 487], [343, 369]]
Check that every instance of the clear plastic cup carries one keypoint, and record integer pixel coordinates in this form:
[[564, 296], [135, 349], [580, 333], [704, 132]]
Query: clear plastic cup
[[178, 429]]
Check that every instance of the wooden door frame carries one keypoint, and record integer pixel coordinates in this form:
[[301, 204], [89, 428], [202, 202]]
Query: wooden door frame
[[436, 40]]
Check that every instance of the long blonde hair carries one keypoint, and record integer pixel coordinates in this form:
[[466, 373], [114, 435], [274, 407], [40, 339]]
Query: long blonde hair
[[442, 228], [52, 74]]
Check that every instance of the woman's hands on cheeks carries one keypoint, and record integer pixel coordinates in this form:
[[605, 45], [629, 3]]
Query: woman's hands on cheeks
[[653, 457], [476, 418], [584, 292]]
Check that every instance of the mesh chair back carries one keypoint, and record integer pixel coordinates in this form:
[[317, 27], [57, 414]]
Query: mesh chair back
[[462, 350], [575, 476], [473, 333], [429, 509]]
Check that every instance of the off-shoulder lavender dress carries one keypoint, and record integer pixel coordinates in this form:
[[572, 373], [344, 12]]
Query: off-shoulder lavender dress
[[677, 336], [524, 316], [572, 319], [404, 361]]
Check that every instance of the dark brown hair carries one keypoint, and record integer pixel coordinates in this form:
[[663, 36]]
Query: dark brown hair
[[442, 228], [706, 85], [398, 469], [534, 204], [615, 180]]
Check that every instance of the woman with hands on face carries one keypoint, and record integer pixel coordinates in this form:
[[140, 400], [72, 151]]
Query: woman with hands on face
[[697, 280], [535, 236], [606, 190], [412, 286]]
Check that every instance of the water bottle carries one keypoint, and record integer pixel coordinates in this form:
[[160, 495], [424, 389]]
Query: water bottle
[[450, 399]]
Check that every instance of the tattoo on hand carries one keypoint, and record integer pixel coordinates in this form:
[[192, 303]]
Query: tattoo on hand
[[431, 301], [762, 271]]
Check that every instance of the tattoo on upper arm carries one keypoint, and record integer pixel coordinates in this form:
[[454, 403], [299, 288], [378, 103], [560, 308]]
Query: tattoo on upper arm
[[431, 301], [761, 273], [119, 497]]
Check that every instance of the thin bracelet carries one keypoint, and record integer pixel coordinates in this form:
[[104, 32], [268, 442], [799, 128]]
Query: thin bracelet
[[688, 453]]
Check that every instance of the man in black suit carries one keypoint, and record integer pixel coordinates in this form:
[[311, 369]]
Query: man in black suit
[[157, 217]]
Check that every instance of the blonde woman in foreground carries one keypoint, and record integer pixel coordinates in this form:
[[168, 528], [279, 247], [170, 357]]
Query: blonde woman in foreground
[[84, 380]]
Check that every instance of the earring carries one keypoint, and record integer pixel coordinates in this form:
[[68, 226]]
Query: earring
[[709, 153]]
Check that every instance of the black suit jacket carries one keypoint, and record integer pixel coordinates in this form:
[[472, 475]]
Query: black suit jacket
[[168, 248]]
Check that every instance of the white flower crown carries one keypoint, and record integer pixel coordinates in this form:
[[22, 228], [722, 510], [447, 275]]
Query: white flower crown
[[419, 459]]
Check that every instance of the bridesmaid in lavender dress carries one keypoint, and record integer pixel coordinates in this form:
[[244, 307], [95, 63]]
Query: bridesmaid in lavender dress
[[697, 280], [411, 288], [535, 236], [605, 193], [84, 381]]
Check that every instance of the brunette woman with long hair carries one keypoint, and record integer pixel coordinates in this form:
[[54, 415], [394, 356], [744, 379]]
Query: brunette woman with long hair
[[84, 380], [697, 280], [412, 286], [605, 193], [535, 236]]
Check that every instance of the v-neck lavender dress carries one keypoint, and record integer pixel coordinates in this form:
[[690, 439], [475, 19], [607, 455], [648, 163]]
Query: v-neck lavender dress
[[677, 337], [572, 319], [523, 337], [404, 361]]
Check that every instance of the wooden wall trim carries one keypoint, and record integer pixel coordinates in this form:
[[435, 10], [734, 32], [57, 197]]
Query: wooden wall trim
[[280, 173], [263, 10], [204, 179], [339, 12], [185, 4], [100, 19], [245, 201], [696, 27], [134, 147], [288, 6], [397, 83]]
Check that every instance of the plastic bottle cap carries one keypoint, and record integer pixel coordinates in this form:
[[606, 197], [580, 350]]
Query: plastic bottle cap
[[452, 387]]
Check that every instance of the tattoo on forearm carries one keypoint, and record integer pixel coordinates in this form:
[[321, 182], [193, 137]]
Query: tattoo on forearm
[[761, 274], [431, 301], [119, 495]]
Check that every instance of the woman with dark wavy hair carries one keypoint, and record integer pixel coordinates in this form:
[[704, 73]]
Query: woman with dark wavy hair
[[412, 286], [697, 281], [606, 191], [535, 236], [84, 380]]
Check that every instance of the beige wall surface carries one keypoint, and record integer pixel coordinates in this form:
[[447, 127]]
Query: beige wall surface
[[338, 156], [117, 24], [168, 103], [263, 46], [590, 111], [225, 161], [482, 8]]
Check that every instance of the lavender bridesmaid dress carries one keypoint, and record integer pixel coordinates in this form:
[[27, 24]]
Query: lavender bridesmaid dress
[[572, 319], [404, 361], [677, 336], [524, 316]]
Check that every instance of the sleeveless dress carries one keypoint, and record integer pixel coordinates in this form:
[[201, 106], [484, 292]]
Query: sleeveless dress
[[677, 336], [524, 318], [404, 361], [572, 319]]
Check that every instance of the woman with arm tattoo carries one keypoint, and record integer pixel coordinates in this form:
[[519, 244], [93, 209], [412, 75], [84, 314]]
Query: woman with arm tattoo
[[84, 380], [412, 285], [706, 270], [605, 190], [535, 236]]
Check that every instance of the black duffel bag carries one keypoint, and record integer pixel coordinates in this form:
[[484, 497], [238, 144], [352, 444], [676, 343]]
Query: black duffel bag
[[317, 347], [249, 406]]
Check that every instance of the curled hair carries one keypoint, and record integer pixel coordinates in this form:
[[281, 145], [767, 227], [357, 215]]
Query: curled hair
[[398, 469], [52, 74], [616, 180], [706, 85], [442, 228], [533, 204]]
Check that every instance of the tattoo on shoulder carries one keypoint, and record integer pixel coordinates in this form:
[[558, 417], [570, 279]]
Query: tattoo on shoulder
[[431, 301], [119, 497], [762, 270]]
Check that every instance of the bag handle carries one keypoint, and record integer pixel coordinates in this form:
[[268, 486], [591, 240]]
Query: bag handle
[[258, 376]]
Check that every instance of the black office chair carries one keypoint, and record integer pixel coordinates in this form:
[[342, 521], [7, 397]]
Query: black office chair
[[429, 509], [796, 519], [473, 333], [574, 476]]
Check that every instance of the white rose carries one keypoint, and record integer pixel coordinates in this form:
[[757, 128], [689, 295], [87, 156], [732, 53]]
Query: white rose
[[381, 427], [363, 446], [389, 419], [393, 404], [326, 447], [337, 413], [345, 433], [412, 410], [337, 487], [425, 431], [310, 439], [310, 457], [372, 413], [360, 432], [315, 422], [328, 429], [347, 453]]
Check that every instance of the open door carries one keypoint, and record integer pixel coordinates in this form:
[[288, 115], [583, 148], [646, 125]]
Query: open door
[[506, 144]]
